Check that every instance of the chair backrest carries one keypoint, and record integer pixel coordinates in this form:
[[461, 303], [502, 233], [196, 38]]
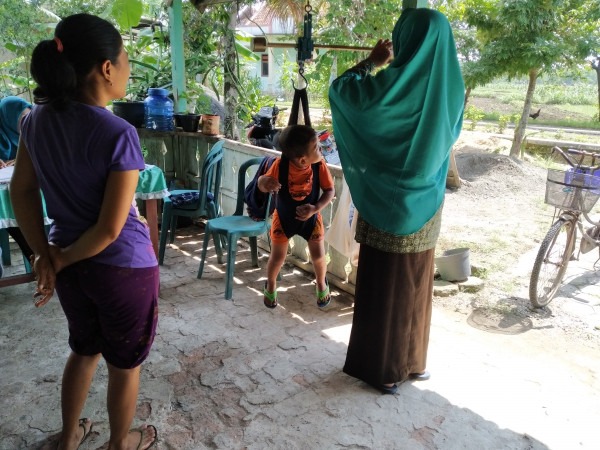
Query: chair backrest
[[211, 175], [239, 207]]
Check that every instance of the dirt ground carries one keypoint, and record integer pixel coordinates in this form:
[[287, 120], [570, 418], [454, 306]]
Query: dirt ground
[[500, 214]]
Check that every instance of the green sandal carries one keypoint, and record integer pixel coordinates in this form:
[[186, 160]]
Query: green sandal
[[323, 297], [270, 298]]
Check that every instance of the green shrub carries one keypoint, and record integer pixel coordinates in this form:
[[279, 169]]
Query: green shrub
[[474, 114], [503, 122]]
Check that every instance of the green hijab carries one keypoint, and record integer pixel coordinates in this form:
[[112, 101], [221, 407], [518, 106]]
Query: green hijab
[[11, 109], [394, 131]]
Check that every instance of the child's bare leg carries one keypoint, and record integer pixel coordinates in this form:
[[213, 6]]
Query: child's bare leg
[[317, 255], [276, 260]]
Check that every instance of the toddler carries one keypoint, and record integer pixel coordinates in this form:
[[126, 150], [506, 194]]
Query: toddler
[[298, 176]]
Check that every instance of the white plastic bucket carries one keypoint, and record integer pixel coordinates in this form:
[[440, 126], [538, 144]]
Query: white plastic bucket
[[454, 264]]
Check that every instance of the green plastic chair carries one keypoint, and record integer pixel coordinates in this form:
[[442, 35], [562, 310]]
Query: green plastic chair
[[207, 204], [234, 227], [5, 246]]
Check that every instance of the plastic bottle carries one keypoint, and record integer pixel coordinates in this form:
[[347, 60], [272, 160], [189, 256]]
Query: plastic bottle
[[158, 110]]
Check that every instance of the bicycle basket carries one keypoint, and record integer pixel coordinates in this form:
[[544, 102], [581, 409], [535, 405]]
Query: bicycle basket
[[571, 190]]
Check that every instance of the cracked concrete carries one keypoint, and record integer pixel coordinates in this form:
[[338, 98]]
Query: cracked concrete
[[236, 375]]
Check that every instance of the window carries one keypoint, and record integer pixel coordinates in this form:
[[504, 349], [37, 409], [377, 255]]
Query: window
[[264, 65]]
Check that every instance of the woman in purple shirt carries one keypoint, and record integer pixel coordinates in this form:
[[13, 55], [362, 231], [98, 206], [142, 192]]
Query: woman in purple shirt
[[99, 256]]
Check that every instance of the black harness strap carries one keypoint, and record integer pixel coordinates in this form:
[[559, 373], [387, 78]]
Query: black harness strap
[[286, 205], [300, 97]]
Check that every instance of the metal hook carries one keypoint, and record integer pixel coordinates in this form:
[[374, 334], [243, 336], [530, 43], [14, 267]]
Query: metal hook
[[301, 73]]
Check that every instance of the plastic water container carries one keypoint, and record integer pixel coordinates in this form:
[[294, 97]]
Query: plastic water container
[[158, 110]]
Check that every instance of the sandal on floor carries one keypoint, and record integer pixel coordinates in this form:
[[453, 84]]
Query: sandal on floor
[[86, 424], [420, 376], [388, 389], [270, 298], [323, 297], [141, 431]]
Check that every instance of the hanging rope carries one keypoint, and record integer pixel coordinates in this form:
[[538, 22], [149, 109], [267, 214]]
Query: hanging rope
[[304, 49]]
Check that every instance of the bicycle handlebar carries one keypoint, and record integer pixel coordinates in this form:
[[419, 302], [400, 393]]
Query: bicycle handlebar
[[578, 165]]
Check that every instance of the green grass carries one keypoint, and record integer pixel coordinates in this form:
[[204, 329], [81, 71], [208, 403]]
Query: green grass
[[575, 100]]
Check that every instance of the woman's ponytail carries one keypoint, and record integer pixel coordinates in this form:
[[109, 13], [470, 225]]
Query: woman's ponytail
[[61, 66], [55, 76]]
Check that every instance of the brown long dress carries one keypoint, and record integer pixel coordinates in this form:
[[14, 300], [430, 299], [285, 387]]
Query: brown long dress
[[392, 303], [392, 315]]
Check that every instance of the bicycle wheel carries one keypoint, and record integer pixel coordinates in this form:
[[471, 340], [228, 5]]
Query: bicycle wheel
[[551, 262]]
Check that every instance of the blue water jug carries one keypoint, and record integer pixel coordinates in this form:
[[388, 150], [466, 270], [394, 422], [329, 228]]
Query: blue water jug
[[158, 110]]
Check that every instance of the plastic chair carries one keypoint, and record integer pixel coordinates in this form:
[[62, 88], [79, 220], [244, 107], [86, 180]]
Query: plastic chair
[[206, 205], [5, 245], [234, 227]]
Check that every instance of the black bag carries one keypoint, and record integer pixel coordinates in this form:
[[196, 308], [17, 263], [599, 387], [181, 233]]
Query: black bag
[[256, 201]]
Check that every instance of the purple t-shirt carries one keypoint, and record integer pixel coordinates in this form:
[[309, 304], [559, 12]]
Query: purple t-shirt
[[73, 152]]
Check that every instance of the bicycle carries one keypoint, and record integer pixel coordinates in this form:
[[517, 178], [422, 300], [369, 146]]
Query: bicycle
[[573, 193]]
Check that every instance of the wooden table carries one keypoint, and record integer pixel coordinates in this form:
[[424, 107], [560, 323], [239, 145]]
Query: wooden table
[[151, 187]]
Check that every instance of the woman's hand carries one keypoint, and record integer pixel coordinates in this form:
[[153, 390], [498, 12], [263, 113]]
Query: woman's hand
[[46, 278], [382, 53]]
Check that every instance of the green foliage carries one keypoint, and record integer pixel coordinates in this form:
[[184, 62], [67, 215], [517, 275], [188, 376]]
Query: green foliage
[[127, 13], [289, 70], [577, 94], [522, 35], [503, 122], [252, 96], [149, 57], [24, 24], [197, 100], [473, 114]]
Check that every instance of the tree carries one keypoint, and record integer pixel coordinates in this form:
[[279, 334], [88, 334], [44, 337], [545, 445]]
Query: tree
[[595, 63], [24, 24], [230, 90], [527, 38]]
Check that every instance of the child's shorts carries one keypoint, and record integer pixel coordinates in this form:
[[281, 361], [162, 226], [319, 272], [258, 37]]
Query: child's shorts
[[110, 310], [278, 235]]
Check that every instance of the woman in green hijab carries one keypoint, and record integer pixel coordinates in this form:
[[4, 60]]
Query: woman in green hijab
[[394, 133]]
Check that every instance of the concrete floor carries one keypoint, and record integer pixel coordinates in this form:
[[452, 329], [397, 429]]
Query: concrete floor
[[236, 375]]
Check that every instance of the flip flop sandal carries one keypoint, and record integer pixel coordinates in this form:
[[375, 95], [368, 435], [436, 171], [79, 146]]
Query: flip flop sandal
[[323, 297], [270, 298], [86, 432], [141, 431]]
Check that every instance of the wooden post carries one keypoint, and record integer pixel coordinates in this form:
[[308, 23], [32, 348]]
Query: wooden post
[[177, 60], [452, 179]]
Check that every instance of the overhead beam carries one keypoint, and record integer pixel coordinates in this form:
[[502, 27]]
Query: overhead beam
[[260, 44], [198, 4], [414, 4], [405, 3]]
